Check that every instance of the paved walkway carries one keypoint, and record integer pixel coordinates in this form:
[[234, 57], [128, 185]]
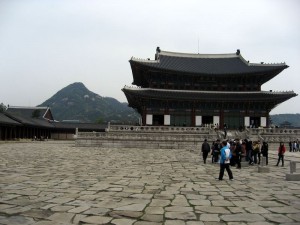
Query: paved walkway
[[55, 183]]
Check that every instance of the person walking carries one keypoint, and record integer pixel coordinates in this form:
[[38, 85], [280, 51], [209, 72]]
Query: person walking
[[205, 149], [238, 154], [281, 151], [225, 162]]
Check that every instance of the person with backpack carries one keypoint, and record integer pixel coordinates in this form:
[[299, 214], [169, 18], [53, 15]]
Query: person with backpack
[[225, 161], [205, 149]]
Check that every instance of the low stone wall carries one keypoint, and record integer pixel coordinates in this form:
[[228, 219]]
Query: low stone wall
[[190, 138]]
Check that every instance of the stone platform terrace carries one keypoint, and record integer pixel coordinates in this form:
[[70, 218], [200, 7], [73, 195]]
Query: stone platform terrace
[[56, 183]]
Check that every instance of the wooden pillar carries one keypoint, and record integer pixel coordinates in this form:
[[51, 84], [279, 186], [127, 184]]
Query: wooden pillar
[[144, 112], [10, 133], [193, 119], [5, 133], [221, 125]]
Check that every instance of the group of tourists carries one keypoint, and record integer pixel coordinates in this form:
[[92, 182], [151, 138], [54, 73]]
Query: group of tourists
[[232, 152], [294, 146]]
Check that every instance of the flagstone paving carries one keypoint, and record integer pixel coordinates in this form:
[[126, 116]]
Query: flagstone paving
[[56, 183]]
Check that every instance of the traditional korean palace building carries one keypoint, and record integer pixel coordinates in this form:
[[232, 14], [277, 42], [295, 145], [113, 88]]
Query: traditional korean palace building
[[179, 89]]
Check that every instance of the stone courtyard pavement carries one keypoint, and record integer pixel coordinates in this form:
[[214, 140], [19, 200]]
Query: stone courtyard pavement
[[56, 183]]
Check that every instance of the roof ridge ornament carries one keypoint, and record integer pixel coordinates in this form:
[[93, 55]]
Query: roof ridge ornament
[[157, 53]]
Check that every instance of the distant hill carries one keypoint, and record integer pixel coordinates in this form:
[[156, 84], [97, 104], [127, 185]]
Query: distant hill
[[76, 102], [278, 119]]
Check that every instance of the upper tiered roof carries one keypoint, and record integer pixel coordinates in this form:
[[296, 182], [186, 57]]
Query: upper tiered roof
[[216, 64]]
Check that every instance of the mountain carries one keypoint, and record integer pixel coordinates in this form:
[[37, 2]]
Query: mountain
[[76, 102], [278, 119]]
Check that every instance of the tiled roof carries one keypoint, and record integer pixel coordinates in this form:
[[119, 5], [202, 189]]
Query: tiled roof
[[217, 64], [166, 94], [29, 121], [8, 121], [27, 111]]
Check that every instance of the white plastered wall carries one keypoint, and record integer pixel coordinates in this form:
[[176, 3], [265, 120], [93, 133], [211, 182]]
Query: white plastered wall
[[167, 120], [198, 120], [216, 120], [149, 119], [263, 121], [247, 121]]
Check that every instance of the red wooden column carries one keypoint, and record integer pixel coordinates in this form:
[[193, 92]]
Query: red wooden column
[[144, 116], [193, 119], [221, 125]]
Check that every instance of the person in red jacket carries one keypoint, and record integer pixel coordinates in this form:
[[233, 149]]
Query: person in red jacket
[[281, 151]]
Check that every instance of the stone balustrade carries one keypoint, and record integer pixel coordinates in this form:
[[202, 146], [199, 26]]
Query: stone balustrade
[[175, 137], [156, 129]]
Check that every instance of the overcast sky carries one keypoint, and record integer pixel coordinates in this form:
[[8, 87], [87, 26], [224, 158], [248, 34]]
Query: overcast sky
[[46, 45]]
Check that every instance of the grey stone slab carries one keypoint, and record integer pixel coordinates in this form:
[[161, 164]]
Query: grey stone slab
[[181, 215], [38, 213], [256, 209], [212, 209], [132, 207], [129, 214], [243, 217], [278, 218], [209, 217], [153, 218], [284, 209], [96, 219], [155, 210], [123, 221], [222, 203], [179, 209], [147, 223], [96, 211], [160, 202], [16, 220], [175, 222], [194, 223], [200, 202], [61, 217]]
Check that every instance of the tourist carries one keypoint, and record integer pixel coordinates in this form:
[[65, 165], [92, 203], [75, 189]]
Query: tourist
[[225, 162], [225, 130], [281, 151], [249, 152], [205, 149], [255, 147], [232, 146], [294, 146], [216, 151], [264, 151], [291, 146], [238, 154], [212, 151]]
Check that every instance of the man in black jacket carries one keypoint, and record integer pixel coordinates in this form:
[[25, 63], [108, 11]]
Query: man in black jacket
[[205, 150]]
